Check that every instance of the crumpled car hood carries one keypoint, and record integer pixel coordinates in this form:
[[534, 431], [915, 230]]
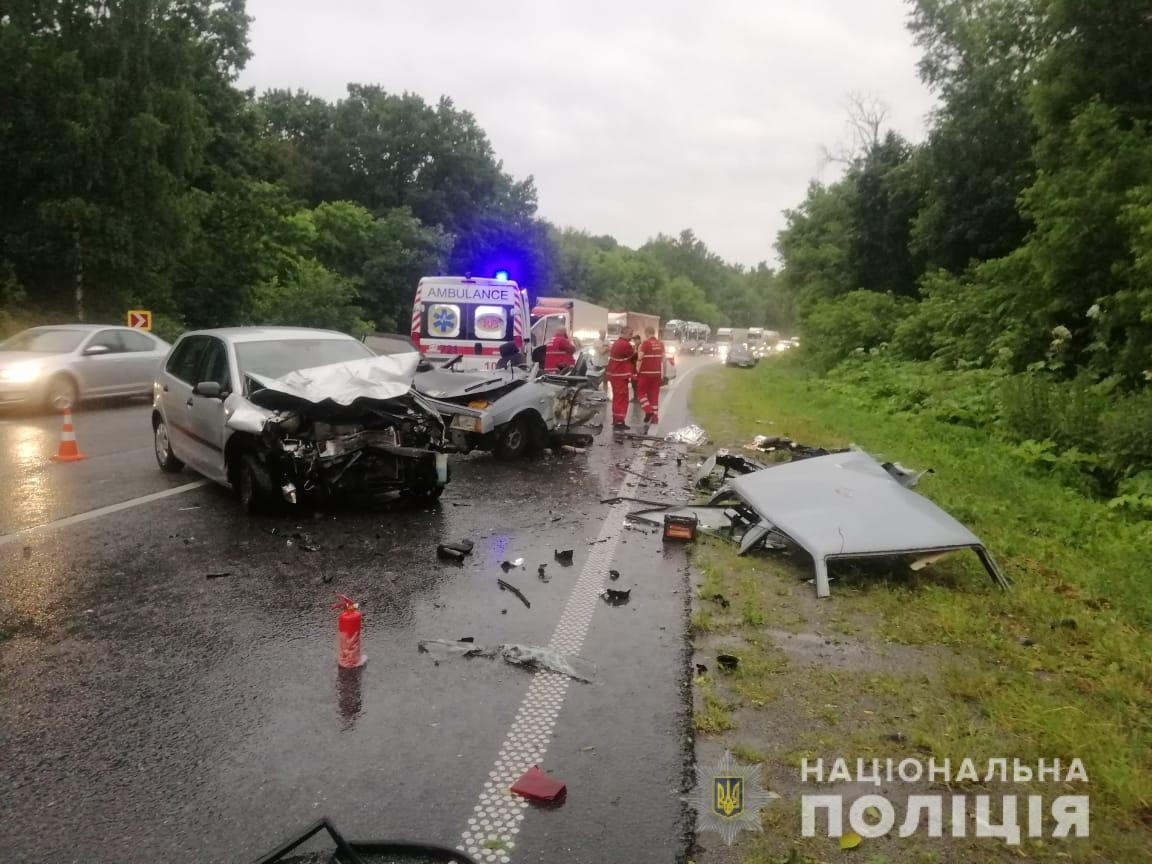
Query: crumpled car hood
[[379, 378], [846, 505], [446, 384]]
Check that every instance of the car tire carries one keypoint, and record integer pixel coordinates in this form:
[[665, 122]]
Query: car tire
[[60, 393], [162, 446], [515, 439], [252, 485]]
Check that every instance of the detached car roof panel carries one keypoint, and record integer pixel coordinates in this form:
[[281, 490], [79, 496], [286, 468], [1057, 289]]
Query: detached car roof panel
[[847, 505]]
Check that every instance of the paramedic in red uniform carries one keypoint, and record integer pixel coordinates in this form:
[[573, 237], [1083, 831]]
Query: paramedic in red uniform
[[561, 352], [620, 371], [650, 371]]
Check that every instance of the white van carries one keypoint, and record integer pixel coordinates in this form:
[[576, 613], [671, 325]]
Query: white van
[[470, 318]]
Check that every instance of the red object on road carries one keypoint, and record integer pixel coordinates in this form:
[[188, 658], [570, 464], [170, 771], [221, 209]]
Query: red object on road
[[348, 627], [69, 450], [535, 785]]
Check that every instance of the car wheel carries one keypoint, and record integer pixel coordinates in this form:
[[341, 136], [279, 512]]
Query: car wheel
[[60, 393], [163, 447], [252, 485], [515, 439]]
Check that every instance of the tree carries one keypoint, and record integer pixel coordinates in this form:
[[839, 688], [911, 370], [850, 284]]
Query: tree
[[110, 115]]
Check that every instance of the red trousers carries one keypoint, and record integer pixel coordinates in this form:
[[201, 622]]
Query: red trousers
[[619, 397], [649, 392]]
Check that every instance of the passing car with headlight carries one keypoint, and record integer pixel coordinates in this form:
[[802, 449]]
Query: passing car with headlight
[[60, 365], [282, 414]]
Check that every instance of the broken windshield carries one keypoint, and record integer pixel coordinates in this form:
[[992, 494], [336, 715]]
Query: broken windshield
[[275, 358]]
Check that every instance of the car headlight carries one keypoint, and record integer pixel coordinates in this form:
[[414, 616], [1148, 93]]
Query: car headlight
[[21, 373]]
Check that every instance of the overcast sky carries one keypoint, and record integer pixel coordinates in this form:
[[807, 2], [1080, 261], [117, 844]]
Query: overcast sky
[[635, 116]]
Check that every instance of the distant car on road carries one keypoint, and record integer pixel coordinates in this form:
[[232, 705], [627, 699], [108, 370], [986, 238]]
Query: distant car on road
[[58, 366], [742, 356], [281, 413]]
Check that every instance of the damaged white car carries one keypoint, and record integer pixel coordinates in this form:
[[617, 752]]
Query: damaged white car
[[284, 413], [517, 409]]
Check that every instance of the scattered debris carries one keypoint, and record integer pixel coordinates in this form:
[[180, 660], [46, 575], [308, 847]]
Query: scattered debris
[[613, 575], [455, 551], [466, 639], [540, 572], [528, 656], [701, 669], [728, 662], [511, 565], [587, 749], [535, 785], [635, 473], [564, 556], [218, 575], [505, 586], [1027, 641], [692, 434], [720, 599], [613, 597], [186, 509], [680, 527]]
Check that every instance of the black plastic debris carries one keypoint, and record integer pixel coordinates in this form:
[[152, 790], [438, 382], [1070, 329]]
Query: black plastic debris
[[455, 551], [728, 662], [564, 556], [218, 575], [543, 575], [613, 575], [511, 565], [701, 669], [506, 586], [614, 597]]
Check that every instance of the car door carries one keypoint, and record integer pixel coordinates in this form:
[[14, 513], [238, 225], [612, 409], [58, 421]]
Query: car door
[[206, 414], [176, 382], [99, 371], [139, 362]]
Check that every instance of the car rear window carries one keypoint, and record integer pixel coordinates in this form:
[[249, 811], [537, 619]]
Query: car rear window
[[45, 341], [276, 358]]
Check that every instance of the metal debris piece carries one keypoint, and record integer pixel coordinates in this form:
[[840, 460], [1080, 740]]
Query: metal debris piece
[[692, 434], [613, 597], [505, 586], [455, 551], [527, 656], [564, 556]]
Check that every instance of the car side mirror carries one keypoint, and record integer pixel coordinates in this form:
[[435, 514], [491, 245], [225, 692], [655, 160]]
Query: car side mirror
[[95, 350], [210, 389]]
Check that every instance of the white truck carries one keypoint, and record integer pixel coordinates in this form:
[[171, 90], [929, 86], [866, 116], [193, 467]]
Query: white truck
[[585, 322]]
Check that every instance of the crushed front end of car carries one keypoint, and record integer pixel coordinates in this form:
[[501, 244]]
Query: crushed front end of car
[[347, 430]]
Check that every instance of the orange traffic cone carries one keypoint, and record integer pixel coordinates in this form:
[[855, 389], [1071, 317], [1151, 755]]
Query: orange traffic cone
[[68, 451]]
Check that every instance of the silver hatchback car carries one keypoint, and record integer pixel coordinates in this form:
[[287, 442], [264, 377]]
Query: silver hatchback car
[[284, 413], [60, 365]]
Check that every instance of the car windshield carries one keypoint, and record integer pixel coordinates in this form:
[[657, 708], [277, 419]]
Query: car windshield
[[276, 358], [45, 341]]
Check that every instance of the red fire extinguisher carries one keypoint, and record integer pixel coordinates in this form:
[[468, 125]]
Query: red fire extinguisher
[[348, 646]]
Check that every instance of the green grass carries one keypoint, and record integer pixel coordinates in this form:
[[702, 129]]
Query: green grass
[[1021, 684]]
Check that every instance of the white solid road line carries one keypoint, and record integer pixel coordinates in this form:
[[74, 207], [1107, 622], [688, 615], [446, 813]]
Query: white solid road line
[[98, 512]]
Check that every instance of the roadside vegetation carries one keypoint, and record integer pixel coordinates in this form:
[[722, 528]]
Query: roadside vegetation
[[937, 663]]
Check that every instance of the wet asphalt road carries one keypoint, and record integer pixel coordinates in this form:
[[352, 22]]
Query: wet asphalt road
[[150, 713]]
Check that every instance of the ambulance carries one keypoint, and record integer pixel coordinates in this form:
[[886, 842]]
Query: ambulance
[[470, 318]]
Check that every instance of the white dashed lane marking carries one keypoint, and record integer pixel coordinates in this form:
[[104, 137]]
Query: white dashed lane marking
[[490, 836]]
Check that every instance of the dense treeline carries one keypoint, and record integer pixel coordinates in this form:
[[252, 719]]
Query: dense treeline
[[1016, 240], [136, 173]]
